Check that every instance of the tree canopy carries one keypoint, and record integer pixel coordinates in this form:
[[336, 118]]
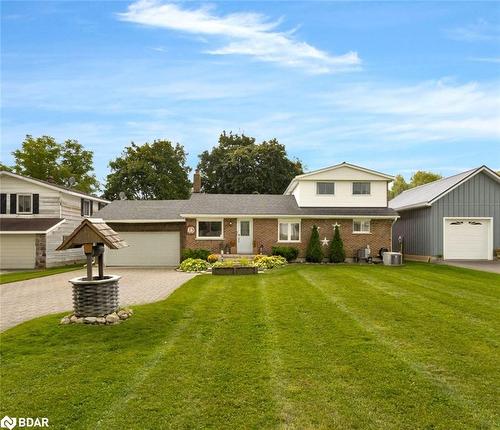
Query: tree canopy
[[420, 177], [239, 165], [155, 171], [44, 158]]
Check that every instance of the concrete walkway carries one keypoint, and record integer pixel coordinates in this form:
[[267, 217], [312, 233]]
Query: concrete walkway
[[25, 300], [485, 266]]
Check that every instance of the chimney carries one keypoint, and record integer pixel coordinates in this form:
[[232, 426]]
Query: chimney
[[197, 182], [51, 179]]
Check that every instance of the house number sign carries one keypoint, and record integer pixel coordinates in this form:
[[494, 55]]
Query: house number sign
[[190, 230]]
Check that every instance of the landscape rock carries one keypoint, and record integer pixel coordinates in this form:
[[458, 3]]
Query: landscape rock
[[101, 320], [90, 320], [112, 318], [65, 321]]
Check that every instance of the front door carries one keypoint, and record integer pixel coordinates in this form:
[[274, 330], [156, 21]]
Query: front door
[[245, 233]]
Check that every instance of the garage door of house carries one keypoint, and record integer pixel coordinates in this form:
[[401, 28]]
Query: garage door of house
[[159, 248], [17, 251], [468, 239]]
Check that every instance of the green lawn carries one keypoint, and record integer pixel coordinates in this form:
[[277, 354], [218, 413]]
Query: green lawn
[[349, 347], [31, 274]]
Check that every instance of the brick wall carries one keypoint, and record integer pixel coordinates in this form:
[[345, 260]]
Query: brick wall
[[212, 245], [265, 233]]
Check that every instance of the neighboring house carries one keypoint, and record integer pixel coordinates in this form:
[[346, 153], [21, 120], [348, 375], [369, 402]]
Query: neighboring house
[[350, 196], [453, 218], [34, 217]]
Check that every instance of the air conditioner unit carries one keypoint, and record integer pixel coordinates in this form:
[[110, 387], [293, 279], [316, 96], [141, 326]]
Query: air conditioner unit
[[392, 258]]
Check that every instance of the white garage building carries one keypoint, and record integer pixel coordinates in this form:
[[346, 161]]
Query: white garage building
[[454, 218]]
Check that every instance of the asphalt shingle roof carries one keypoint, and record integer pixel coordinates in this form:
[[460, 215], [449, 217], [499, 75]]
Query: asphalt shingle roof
[[142, 210], [423, 194], [27, 224], [225, 204]]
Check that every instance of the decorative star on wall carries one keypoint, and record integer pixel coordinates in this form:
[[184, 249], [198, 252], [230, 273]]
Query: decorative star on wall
[[325, 241]]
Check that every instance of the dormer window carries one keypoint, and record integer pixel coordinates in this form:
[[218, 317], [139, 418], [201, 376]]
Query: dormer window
[[361, 188], [24, 203], [325, 188]]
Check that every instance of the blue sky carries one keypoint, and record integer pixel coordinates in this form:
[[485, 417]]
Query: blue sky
[[396, 86]]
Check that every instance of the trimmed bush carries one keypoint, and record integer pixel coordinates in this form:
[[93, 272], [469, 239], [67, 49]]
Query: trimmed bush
[[201, 254], [271, 262], [258, 257], [289, 252], [337, 253], [314, 253], [194, 265], [212, 258]]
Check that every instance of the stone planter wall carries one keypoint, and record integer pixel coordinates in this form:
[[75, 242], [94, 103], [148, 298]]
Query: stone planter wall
[[243, 270]]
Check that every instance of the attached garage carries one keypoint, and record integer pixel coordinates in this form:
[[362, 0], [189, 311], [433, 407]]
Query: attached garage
[[468, 238], [146, 248], [17, 251]]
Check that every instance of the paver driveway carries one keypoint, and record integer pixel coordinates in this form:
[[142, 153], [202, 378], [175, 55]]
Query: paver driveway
[[25, 300]]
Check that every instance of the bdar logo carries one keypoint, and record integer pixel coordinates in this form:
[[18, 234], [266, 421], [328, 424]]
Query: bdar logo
[[8, 422]]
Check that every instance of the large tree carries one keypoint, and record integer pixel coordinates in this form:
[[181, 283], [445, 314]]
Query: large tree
[[44, 158], [241, 166], [154, 171], [420, 177]]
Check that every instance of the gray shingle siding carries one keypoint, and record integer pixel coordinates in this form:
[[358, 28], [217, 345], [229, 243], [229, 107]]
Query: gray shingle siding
[[422, 228]]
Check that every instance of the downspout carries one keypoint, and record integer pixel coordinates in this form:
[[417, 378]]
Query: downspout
[[392, 225]]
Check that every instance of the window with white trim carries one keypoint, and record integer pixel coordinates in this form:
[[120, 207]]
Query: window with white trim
[[360, 188], [325, 187], [361, 226], [24, 203], [210, 229], [289, 230], [86, 208]]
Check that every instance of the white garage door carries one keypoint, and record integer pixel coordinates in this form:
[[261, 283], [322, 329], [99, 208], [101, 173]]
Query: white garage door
[[468, 239], [17, 251], [159, 248]]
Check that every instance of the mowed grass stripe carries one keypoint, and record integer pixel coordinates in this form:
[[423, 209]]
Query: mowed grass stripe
[[438, 351], [330, 364], [215, 374]]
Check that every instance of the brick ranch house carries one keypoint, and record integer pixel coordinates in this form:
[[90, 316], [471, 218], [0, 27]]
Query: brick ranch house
[[352, 197]]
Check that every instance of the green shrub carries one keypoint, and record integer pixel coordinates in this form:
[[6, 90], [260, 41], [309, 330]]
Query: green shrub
[[314, 253], [201, 254], [289, 252], [194, 265], [271, 262], [337, 253], [212, 258]]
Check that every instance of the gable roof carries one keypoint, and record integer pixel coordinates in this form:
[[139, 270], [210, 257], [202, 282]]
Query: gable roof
[[143, 210], [53, 186], [92, 230], [294, 181], [427, 194]]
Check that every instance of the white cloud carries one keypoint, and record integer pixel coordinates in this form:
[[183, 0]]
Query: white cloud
[[429, 111], [479, 31], [246, 33]]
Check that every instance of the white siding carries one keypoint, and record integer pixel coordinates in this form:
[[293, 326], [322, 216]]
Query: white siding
[[17, 251], [305, 194], [343, 177], [53, 204]]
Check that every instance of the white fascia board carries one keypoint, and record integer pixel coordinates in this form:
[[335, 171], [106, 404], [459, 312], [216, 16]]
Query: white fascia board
[[352, 166], [61, 190], [414, 206], [294, 216], [135, 221]]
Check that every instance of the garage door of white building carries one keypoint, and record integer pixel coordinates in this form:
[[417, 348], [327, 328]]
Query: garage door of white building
[[468, 239], [159, 248], [17, 251]]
